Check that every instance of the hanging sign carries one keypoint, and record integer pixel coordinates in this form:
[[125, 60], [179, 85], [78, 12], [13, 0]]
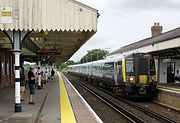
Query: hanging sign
[[6, 15], [166, 60]]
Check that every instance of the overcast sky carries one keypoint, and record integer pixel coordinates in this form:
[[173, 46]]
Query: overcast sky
[[122, 22]]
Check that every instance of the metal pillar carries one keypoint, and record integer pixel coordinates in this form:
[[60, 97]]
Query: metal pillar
[[17, 82], [39, 75], [16, 38], [17, 52], [46, 73]]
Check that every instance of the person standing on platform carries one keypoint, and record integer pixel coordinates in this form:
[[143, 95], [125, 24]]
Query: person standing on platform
[[22, 83], [52, 73], [31, 78]]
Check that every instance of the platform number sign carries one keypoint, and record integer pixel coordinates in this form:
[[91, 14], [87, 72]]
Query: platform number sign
[[6, 15]]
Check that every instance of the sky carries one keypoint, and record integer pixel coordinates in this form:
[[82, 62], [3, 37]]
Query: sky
[[123, 22]]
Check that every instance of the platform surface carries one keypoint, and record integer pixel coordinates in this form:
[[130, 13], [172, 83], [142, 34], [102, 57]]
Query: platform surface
[[58, 102]]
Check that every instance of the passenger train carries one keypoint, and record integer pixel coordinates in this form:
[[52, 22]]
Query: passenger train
[[132, 76]]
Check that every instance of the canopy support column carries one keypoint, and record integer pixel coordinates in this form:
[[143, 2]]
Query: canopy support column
[[16, 38], [39, 75]]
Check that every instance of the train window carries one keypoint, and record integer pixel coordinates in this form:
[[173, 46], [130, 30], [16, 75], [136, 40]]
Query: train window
[[129, 66], [143, 66], [109, 69]]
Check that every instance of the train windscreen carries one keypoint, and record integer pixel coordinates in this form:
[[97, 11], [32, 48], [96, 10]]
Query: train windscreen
[[129, 67], [143, 67]]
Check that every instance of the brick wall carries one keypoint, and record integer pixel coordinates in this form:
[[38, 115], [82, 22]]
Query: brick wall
[[6, 67]]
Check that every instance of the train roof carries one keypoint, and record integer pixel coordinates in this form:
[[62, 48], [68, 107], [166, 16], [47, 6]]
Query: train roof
[[114, 59]]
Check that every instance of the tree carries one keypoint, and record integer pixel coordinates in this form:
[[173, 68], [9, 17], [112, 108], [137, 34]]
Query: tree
[[70, 62], [93, 55], [63, 65]]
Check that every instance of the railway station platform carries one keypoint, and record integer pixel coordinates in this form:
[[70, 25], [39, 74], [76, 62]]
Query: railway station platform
[[168, 94], [58, 102]]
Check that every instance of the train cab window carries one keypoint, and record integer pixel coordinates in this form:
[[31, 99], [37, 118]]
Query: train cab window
[[129, 67], [152, 67], [143, 66]]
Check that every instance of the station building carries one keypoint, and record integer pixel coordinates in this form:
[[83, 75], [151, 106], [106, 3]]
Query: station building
[[41, 31], [165, 47]]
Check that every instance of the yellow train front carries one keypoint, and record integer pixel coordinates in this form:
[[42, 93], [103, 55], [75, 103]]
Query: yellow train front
[[136, 75]]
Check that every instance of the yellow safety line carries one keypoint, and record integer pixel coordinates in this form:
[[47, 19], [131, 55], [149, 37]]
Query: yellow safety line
[[169, 88], [67, 115]]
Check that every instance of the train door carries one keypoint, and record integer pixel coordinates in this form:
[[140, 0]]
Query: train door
[[119, 71], [115, 72], [170, 72]]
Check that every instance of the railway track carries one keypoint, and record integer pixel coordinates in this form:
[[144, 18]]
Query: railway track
[[129, 115]]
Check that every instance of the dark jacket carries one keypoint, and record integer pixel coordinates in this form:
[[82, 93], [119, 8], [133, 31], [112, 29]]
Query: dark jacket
[[22, 80], [30, 76]]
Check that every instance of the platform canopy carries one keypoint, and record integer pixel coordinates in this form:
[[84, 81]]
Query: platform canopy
[[165, 45], [56, 28]]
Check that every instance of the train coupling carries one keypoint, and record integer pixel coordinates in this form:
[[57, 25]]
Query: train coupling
[[142, 90]]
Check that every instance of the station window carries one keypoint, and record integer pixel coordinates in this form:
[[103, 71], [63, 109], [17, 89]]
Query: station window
[[3, 64], [7, 68], [2, 68]]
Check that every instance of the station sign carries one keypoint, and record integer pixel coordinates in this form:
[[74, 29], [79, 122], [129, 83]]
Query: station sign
[[166, 60], [6, 15], [45, 51]]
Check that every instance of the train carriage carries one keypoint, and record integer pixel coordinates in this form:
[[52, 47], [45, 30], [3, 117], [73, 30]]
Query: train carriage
[[132, 76]]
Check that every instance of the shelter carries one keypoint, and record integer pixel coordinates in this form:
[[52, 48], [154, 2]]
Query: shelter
[[43, 30]]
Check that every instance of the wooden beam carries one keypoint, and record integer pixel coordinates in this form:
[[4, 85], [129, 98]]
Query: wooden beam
[[58, 35]]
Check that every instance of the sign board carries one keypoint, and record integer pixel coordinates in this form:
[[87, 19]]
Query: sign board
[[6, 15], [166, 60], [49, 51]]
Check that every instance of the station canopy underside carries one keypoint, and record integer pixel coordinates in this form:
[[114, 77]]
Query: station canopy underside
[[49, 46], [55, 29], [173, 53], [165, 45]]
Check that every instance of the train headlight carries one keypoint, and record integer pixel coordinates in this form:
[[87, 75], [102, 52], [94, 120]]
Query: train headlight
[[131, 79]]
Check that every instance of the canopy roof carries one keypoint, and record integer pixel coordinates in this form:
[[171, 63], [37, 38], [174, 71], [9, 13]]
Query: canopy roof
[[49, 15], [57, 28]]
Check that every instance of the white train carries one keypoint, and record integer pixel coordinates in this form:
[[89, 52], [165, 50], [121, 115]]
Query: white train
[[132, 76]]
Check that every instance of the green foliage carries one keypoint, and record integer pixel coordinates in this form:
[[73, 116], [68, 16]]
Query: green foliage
[[70, 62], [93, 55], [57, 66], [63, 65]]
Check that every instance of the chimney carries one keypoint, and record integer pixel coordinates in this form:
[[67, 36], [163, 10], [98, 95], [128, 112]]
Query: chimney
[[156, 29]]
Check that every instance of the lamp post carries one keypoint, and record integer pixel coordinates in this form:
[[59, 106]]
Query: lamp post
[[91, 56], [97, 55]]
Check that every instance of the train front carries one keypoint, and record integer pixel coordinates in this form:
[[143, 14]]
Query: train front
[[140, 75]]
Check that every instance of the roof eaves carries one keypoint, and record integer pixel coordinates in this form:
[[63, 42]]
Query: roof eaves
[[152, 40], [86, 6]]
